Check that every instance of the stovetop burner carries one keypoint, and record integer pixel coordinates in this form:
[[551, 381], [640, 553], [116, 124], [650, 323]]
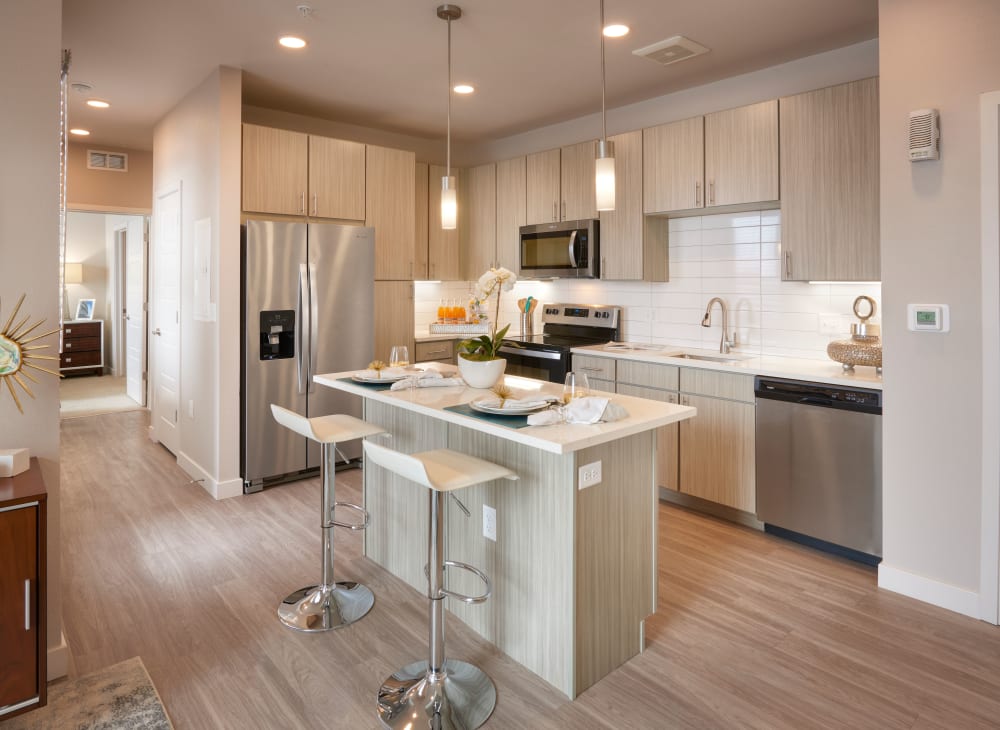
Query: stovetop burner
[[565, 326]]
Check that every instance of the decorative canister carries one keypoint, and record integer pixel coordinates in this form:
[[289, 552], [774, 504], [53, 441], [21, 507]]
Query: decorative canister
[[865, 345]]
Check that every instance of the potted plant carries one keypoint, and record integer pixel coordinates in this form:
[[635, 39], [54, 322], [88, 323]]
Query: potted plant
[[478, 361]]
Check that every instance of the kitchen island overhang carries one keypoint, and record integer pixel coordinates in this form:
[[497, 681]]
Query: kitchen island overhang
[[573, 569]]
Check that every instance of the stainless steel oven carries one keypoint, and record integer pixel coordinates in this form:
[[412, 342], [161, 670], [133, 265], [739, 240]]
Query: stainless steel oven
[[548, 356], [567, 249]]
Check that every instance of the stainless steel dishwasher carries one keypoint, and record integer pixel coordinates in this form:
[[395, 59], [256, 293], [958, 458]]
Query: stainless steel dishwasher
[[819, 465]]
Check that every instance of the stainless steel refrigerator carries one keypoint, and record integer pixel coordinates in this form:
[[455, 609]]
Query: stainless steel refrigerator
[[308, 301]]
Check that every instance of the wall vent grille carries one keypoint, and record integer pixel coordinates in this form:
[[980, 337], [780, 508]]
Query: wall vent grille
[[101, 160]]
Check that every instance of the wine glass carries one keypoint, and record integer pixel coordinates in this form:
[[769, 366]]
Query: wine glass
[[399, 357], [576, 386]]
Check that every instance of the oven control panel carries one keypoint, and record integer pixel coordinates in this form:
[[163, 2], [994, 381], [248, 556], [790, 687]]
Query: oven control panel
[[588, 315]]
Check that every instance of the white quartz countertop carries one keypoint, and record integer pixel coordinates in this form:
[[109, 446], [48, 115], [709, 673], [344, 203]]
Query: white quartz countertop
[[815, 371], [439, 337], [644, 414]]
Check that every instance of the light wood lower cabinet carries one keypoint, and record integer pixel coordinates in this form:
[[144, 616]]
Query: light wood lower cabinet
[[717, 452], [667, 437], [435, 351], [393, 317]]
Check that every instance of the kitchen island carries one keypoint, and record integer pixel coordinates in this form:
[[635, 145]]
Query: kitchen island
[[573, 569]]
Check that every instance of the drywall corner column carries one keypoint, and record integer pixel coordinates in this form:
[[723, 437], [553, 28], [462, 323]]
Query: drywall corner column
[[931, 253], [30, 44]]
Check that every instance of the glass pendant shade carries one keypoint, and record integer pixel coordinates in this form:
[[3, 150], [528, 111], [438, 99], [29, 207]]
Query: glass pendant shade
[[604, 177], [449, 203]]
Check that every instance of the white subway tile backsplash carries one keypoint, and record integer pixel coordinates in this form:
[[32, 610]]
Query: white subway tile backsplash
[[736, 256]]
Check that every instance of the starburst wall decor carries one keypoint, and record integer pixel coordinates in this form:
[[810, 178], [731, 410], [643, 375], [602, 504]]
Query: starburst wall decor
[[17, 354]]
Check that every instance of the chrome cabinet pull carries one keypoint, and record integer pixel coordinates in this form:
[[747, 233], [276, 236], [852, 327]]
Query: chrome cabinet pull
[[563, 215], [788, 264], [711, 191], [27, 604], [697, 192], [302, 203], [315, 203], [604, 266], [69, 345], [555, 213]]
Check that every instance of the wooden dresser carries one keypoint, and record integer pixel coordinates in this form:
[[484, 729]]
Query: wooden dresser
[[22, 592], [83, 348]]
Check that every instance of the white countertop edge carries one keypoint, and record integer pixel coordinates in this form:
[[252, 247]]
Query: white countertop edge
[[545, 438], [815, 371]]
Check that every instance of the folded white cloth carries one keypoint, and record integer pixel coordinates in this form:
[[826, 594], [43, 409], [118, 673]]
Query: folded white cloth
[[515, 404], [590, 409], [383, 374], [427, 379]]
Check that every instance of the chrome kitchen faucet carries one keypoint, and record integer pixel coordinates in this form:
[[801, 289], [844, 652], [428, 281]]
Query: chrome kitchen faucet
[[706, 321]]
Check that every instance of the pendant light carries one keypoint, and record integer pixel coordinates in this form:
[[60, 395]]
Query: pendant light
[[449, 196], [604, 168]]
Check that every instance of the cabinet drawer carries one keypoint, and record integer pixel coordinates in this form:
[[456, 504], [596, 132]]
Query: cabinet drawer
[[718, 385], [595, 367], [81, 344], [604, 386], [647, 374], [440, 350], [79, 359], [82, 329]]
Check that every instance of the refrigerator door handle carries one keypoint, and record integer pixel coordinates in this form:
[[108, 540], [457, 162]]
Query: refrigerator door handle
[[313, 327], [300, 328]]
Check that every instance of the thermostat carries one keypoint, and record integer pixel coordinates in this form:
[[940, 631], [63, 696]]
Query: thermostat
[[928, 317]]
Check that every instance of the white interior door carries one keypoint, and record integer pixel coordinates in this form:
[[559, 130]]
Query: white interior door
[[135, 312], [165, 314]]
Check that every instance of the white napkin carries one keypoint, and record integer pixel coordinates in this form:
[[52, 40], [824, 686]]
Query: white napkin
[[426, 379], [386, 373], [590, 409]]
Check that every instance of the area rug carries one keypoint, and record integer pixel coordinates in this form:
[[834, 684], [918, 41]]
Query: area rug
[[93, 396], [119, 697]]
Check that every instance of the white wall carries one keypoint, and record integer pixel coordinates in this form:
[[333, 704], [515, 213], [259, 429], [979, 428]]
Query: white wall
[[30, 43], [930, 254], [198, 144], [731, 255], [86, 243]]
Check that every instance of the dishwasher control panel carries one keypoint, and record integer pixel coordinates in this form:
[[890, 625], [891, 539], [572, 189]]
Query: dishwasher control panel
[[819, 394]]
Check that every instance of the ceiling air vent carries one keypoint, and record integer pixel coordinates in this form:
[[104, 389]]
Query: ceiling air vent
[[99, 160], [673, 49]]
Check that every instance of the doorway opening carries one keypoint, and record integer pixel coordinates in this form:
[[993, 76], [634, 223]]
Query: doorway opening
[[103, 359]]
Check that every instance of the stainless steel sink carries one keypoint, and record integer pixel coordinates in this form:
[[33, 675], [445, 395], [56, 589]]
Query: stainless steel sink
[[709, 358]]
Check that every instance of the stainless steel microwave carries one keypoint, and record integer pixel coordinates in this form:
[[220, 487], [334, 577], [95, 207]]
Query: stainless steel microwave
[[567, 249]]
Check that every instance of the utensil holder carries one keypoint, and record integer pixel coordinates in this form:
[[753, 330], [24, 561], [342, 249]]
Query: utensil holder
[[527, 324]]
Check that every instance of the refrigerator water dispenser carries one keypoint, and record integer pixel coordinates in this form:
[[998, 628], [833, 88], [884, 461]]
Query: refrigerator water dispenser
[[277, 334]]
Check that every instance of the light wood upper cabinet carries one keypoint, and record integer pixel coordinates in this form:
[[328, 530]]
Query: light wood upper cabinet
[[479, 239], [542, 187], [512, 211], [830, 183], [393, 317], [389, 181], [421, 215], [741, 155], [673, 166], [275, 170], [579, 194], [633, 247], [336, 178], [442, 246]]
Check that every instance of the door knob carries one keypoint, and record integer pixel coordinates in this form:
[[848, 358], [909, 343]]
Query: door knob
[[157, 332]]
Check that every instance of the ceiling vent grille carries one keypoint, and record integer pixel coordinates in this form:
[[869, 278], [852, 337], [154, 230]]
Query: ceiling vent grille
[[673, 49], [100, 160]]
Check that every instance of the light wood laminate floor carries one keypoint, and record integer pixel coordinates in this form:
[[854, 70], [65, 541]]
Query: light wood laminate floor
[[751, 631]]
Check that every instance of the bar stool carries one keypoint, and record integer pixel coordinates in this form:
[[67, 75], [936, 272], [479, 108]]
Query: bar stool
[[447, 693], [328, 605]]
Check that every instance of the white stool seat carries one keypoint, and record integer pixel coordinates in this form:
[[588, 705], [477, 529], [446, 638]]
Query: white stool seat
[[332, 429], [443, 470]]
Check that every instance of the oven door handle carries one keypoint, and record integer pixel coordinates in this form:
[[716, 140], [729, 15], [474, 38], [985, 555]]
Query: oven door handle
[[531, 354], [572, 250]]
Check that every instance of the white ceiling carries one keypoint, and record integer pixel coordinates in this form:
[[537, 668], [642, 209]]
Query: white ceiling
[[382, 63]]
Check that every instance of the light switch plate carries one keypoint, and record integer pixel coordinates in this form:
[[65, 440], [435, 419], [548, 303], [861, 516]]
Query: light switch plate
[[489, 522]]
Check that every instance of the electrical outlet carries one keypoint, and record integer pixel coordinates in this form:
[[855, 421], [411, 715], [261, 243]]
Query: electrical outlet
[[831, 324], [489, 522], [590, 474]]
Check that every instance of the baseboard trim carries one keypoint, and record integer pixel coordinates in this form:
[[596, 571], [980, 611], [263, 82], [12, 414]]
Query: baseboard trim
[[218, 490], [930, 591], [57, 659]]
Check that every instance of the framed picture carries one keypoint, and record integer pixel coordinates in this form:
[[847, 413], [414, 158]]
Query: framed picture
[[85, 309]]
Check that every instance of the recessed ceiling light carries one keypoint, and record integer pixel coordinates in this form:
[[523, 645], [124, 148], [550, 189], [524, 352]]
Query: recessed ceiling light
[[290, 41], [80, 132], [464, 88], [97, 103], [616, 30]]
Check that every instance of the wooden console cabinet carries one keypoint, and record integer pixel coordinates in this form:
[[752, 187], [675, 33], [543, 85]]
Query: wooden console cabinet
[[22, 592], [83, 348]]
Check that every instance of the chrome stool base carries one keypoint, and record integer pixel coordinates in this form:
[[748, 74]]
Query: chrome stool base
[[321, 608], [461, 698]]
